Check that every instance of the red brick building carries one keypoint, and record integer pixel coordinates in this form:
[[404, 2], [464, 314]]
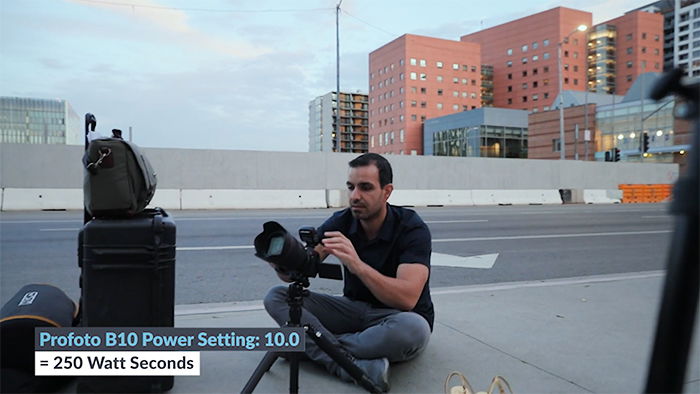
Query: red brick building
[[523, 53], [414, 78], [543, 133], [628, 46]]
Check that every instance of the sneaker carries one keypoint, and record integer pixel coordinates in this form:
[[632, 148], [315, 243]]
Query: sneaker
[[377, 370]]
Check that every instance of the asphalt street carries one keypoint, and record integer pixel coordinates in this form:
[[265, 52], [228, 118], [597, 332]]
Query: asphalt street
[[471, 245]]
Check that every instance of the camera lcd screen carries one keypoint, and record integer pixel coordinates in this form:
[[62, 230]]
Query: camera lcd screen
[[276, 245]]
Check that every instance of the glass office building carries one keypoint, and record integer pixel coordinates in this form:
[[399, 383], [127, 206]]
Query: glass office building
[[621, 125], [482, 132], [38, 121]]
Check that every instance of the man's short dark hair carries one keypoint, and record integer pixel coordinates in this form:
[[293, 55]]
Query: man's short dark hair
[[385, 174]]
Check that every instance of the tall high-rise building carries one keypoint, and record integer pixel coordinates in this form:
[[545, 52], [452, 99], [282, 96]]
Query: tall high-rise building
[[413, 78], [681, 33], [523, 54], [38, 121], [353, 123], [622, 48]]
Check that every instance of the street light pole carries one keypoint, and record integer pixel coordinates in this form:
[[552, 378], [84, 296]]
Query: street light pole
[[562, 145], [337, 77]]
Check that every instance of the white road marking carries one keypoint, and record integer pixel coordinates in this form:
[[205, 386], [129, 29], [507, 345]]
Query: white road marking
[[484, 261], [551, 236], [60, 229], [456, 221]]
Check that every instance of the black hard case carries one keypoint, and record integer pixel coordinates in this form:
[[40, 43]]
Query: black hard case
[[128, 280]]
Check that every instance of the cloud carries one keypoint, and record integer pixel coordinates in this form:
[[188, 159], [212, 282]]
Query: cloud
[[175, 23]]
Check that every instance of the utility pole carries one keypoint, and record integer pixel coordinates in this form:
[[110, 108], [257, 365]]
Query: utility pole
[[337, 76]]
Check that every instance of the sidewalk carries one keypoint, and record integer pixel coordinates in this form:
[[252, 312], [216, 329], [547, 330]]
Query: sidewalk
[[576, 335], [591, 334]]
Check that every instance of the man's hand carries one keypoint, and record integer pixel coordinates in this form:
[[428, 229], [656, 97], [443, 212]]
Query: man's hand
[[281, 272], [401, 292], [337, 244]]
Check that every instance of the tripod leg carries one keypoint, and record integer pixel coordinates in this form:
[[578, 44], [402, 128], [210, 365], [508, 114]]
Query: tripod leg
[[342, 359], [264, 366], [294, 374]]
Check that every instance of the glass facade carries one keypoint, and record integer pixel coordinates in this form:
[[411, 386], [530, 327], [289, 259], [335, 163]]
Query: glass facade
[[38, 121], [601, 59], [481, 141], [621, 126]]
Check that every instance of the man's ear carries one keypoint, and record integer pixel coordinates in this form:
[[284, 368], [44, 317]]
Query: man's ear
[[387, 189]]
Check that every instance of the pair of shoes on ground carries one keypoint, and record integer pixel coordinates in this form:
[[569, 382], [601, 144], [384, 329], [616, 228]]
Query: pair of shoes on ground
[[377, 370]]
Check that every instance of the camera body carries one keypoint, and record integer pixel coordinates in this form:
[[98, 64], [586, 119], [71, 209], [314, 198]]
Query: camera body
[[276, 245]]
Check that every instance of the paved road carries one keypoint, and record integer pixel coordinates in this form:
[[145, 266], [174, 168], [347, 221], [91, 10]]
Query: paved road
[[215, 261]]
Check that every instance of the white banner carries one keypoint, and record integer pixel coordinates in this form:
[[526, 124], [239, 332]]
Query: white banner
[[116, 363]]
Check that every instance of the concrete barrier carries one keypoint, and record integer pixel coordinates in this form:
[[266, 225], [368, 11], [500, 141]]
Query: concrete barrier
[[337, 198], [431, 197], [18, 199], [252, 199], [598, 196], [167, 199], [515, 197]]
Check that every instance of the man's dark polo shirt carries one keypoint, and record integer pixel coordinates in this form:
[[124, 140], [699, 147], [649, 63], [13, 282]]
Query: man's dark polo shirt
[[403, 238]]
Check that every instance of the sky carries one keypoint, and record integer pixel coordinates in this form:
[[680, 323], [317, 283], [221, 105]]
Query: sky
[[222, 74]]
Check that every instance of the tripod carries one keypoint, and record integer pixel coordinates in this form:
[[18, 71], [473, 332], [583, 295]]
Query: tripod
[[295, 300]]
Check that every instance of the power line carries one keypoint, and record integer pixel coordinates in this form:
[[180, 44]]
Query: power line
[[157, 7], [369, 24]]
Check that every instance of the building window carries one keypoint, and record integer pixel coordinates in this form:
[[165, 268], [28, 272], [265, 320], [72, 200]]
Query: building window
[[525, 86], [465, 67], [546, 96], [535, 97], [545, 82], [566, 53], [423, 104], [509, 64], [439, 64], [534, 84], [455, 93], [439, 92], [524, 48], [534, 71], [629, 64], [534, 45], [401, 135], [439, 105], [439, 78], [414, 103], [628, 37], [414, 76], [413, 61], [510, 101], [510, 88], [371, 141], [629, 50], [423, 77], [525, 73], [629, 78], [455, 80], [401, 62], [644, 36], [509, 51], [566, 81], [545, 55], [545, 69], [423, 90], [524, 99], [556, 146], [545, 43], [474, 69], [455, 107], [413, 118], [455, 66], [575, 68], [535, 58], [510, 76], [422, 62], [524, 60], [575, 81]]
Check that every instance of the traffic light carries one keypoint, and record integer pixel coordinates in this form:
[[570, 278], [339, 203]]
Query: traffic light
[[645, 142], [608, 155], [616, 154]]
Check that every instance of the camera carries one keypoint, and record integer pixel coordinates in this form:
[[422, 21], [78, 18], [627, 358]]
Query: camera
[[276, 245]]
